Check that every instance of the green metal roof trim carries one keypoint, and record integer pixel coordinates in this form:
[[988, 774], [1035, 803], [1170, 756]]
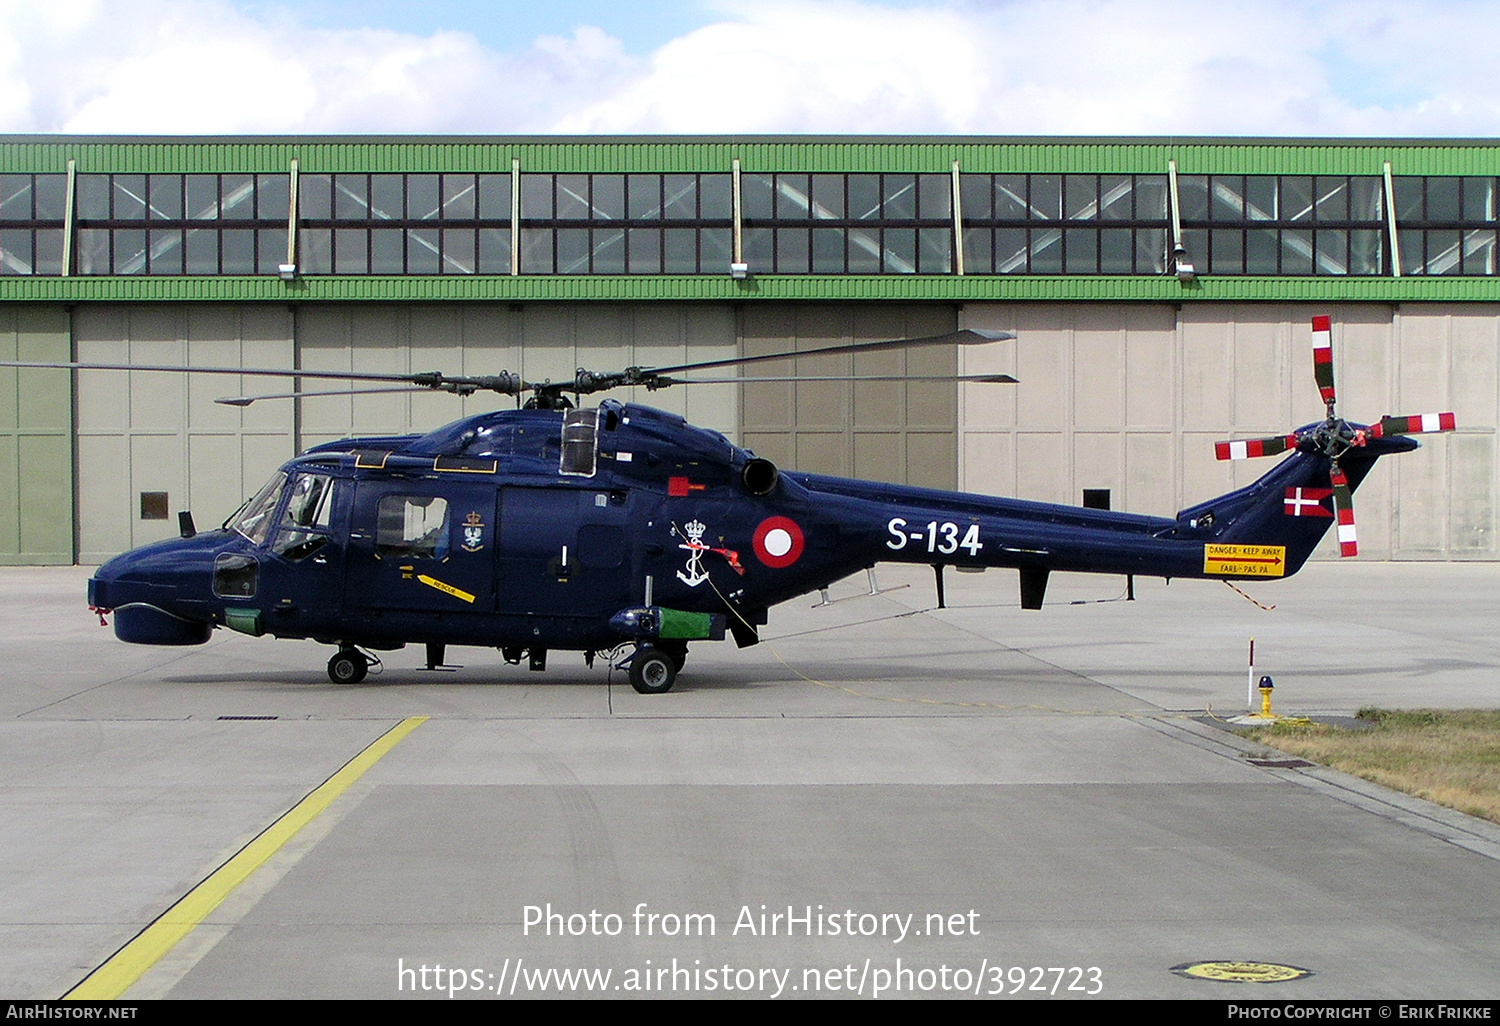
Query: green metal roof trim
[[945, 288], [756, 153]]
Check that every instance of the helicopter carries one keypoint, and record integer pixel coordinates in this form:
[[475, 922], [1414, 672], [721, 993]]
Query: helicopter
[[621, 528]]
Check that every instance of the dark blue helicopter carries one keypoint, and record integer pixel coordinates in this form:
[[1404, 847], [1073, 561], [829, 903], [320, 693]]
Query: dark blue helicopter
[[557, 527]]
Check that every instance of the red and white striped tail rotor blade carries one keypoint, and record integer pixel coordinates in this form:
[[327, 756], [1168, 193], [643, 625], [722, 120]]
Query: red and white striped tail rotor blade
[[1322, 336], [1343, 505], [1249, 448], [1421, 424]]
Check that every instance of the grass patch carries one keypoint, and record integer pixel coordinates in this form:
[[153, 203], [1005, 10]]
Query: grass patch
[[1451, 757]]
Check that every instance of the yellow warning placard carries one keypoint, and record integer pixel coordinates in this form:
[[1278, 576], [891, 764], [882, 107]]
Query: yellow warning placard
[[1245, 560], [447, 589]]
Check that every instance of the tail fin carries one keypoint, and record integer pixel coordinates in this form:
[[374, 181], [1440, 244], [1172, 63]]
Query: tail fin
[[1290, 506]]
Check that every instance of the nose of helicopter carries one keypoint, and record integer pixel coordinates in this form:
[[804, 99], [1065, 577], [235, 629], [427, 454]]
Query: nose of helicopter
[[160, 593]]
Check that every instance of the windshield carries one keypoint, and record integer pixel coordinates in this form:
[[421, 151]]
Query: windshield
[[254, 518]]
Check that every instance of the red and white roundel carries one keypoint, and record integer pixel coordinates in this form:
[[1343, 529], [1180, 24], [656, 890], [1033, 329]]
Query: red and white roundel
[[778, 542]]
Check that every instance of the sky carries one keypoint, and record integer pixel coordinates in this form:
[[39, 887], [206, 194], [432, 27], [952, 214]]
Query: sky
[[1419, 68]]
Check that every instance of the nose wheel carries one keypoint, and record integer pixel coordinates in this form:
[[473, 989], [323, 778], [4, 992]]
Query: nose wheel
[[348, 666], [652, 671]]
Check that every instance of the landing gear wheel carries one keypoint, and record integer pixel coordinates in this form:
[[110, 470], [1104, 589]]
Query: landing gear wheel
[[348, 666], [652, 671]]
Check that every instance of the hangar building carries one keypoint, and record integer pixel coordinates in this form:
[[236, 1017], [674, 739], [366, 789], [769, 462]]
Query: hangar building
[[1161, 290]]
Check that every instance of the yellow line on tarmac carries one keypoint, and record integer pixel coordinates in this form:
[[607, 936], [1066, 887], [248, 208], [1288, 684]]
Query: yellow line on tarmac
[[127, 965]]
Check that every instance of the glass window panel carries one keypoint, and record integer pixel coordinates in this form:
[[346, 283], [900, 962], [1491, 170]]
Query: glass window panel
[[93, 251], [494, 250], [864, 198], [387, 251], [1046, 250], [1195, 241], [979, 246], [1115, 194], [864, 250], [756, 197], [680, 194], [1192, 194], [130, 199], [1332, 252], [1261, 249], [791, 197], [351, 251], [351, 197], [458, 251], [422, 251], [423, 200], [1228, 251], [51, 196], [828, 203], [1442, 199], [977, 195], [644, 192], [1479, 200], [49, 244], [1080, 197], [130, 250], [792, 251], [315, 197], [1443, 253], [1045, 199], [899, 251], [15, 250], [273, 197], [1012, 251], [459, 198], [270, 247], [828, 251], [1010, 198], [494, 198], [1260, 199], [1479, 251], [93, 197], [1366, 251], [202, 192], [1296, 198], [572, 202], [609, 249], [1150, 251], [759, 248], [1332, 198], [680, 255], [202, 251], [609, 204], [1408, 190], [1296, 251], [572, 250], [935, 196], [715, 197], [716, 249], [15, 199], [1116, 251], [1412, 259], [935, 250], [237, 197], [1151, 197], [237, 251], [387, 202], [644, 243], [1366, 199], [1081, 251], [536, 202], [1226, 198], [166, 251], [900, 192], [315, 249], [165, 195]]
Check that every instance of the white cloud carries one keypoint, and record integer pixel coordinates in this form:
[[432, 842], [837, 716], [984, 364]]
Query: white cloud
[[1084, 67]]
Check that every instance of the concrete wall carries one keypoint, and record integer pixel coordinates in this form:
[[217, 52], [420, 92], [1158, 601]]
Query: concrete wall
[[36, 446]]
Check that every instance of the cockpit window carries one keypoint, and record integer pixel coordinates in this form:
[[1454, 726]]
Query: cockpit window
[[309, 510], [254, 518], [579, 443]]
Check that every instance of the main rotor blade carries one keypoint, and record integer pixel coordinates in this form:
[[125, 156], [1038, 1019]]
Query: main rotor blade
[[963, 337], [1250, 448], [985, 379], [1343, 505], [1322, 335], [1421, 424], [246, 400], [505, 383]]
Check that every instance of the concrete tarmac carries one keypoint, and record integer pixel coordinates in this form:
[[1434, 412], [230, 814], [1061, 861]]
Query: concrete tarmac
[[882, 797]]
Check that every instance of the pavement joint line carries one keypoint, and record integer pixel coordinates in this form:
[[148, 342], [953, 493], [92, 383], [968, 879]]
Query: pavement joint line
[[124, 967]]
